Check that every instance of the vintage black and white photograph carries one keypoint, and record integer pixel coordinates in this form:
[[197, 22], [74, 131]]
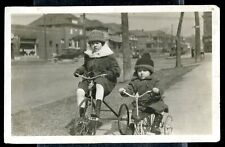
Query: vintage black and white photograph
[[108, 74]]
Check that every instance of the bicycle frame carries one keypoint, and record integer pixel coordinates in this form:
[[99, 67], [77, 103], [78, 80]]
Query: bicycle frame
[[91, 84], [138, 126], [137, 96]]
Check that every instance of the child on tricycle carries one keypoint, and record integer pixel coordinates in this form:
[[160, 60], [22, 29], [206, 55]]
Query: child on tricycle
[[152, 103], [98, 60]]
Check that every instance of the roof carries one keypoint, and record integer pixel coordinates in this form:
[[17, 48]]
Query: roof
[[56, 19], [157, 33], [139, 33], [115, 38], [25, 31], [114, 28], [94, 24]]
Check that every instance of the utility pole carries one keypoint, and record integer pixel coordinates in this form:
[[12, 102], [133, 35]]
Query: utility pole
[[84, 32], [171, 45], [178, 49], [197, 37], [45, 40], [126, 48]]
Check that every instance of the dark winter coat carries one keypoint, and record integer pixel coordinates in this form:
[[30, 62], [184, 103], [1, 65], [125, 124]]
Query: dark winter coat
[[152, 101], [102, 63]]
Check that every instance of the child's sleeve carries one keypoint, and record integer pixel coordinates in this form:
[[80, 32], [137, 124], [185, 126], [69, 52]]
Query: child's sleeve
[[81, 70], [158, 96], [130, 88], [114, 69], [157, 83]]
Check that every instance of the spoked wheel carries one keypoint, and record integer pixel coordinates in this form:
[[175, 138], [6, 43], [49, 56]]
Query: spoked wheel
[[87, 126], [142, 127], [168, 126], [123, 119], [92, 126], [138, 129], [81, 128]]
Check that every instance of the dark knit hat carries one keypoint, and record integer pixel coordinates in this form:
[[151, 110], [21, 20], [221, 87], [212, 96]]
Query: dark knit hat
[[145, 62], [96, 35]]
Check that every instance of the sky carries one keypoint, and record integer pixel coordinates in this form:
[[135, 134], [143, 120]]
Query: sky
[[167, 22]]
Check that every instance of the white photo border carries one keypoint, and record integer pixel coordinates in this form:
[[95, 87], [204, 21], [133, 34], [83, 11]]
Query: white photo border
[[214, 137]]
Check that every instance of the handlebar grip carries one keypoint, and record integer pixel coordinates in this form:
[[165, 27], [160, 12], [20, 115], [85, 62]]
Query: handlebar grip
[[76, 74]]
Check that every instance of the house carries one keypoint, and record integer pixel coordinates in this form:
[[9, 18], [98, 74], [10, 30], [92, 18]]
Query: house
[[69, 27], [53, 33], [141, 38], [49, 34], [160, 40]]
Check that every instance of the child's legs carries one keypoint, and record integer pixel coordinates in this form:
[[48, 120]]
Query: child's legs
[[106, 86], [81, 90], [99, 97], [80, 97], [99, 92]]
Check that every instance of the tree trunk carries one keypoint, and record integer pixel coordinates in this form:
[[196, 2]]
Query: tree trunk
[[197, 37], [84, 33], [126, 49], [178, 49], [45, 39]]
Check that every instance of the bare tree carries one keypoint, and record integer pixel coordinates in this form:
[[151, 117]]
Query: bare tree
[[45, 38], [178, 49], [84, 31], [197, 37], [125, 46]]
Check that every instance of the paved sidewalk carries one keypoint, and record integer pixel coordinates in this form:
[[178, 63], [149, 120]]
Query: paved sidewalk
[[190, 103]]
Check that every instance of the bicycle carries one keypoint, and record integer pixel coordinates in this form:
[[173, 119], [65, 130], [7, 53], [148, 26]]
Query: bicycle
[[88, 125], [143, 127]]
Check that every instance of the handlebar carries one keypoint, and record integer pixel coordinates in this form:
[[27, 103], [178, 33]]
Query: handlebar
[[137, 96], [90, 78]]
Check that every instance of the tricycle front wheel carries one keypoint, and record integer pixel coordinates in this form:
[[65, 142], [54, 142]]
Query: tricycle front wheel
[[123, 119]]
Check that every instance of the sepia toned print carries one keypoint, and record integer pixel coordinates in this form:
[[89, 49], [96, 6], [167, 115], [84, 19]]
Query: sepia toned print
[[166, 59]]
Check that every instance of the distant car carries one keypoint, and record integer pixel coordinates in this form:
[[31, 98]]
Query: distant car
[[69, 53]]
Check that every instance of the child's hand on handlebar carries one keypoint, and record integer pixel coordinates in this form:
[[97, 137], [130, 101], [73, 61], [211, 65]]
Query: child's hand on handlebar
[[155, 90], [103, 75], [76, 74], [121, 90]]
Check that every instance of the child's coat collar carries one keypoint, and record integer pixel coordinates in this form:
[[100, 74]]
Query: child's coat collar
[[136, 77], [104, 51]]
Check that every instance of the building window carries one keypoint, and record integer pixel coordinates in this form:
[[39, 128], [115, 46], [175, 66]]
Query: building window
[[77, 45], [71, 43], [27, 47], [71, 31], [50, 43], [74, 21], [62, 41], [80, 32]]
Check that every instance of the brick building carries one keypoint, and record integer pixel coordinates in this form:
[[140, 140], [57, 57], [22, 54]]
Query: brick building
[[47, 35], [53, 33]]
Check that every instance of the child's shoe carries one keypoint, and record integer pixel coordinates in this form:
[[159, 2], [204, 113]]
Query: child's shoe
[[130, 130], [156, 124]]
